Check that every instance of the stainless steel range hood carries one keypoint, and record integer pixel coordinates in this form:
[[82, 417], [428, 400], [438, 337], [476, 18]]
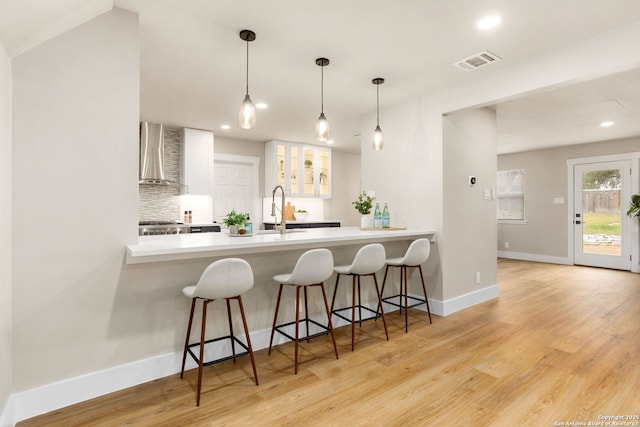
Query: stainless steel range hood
[[152, 155]]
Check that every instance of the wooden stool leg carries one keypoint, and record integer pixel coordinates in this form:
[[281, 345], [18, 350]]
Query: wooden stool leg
[[200, 362], [353, 311], [424, 288], [384, 322], [246, 333], [384, 280], [326, 306], [306, 312], [359, 303], [335, 291], [186, 341], [275, 317], [297, 332], [233, 343], [406, 299]]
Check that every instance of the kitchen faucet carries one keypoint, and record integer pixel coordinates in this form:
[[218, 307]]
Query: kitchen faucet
[[283, 224]]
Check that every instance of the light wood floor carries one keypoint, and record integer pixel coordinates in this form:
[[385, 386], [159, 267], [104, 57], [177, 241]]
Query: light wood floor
[[560, 344]]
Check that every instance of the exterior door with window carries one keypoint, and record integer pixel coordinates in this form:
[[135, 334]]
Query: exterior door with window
[[601, 227]]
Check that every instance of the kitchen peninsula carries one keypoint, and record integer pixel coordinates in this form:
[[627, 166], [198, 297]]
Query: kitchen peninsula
[[213, 245]]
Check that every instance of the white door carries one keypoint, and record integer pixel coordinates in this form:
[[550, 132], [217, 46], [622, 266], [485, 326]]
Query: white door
[[236, 187], [602, 230]]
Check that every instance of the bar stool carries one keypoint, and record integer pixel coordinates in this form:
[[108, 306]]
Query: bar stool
[[228, 279], [415, 256], [368, 260], [312, 269]]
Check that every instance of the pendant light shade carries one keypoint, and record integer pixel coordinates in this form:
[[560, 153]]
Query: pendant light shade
[[247, 112], [322, 125], [378, 140]]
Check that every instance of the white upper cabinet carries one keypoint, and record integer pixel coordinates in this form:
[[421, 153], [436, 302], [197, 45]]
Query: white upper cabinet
[[302, 170], [197, 161]]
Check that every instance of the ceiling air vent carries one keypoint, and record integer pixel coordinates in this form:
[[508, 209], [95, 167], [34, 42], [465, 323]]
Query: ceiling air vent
[[478, 60]]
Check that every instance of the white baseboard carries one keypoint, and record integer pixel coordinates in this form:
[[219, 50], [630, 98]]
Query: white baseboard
[[534, 257], [47, 398]]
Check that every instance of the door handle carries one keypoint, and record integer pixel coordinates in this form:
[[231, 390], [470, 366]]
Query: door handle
[[577, 222]]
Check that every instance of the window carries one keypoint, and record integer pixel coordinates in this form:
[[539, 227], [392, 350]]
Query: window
[[510, 194]]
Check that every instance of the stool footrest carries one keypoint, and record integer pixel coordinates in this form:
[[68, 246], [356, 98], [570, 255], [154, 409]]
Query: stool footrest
[[337, 313], [222, 359], [420, 301], [325, 330]]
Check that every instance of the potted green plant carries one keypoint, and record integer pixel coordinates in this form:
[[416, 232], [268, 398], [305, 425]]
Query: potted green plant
[[234, 221], [364, 204], [634, 206], [301, 215]]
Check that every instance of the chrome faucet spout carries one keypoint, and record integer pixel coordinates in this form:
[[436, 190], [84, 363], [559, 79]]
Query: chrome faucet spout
[[283, 225]]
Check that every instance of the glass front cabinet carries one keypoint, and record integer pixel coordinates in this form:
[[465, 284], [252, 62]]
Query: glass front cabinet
[[302, 170]]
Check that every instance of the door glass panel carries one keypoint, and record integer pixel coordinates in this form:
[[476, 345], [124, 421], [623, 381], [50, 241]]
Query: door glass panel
[[601, 212], [294, 170], [324, 172], [281, 165], [308, 171]]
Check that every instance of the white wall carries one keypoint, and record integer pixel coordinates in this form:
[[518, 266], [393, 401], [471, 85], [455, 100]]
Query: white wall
[[414, 137], [469, 150], [75, 157], [545, 235], [6, 347]]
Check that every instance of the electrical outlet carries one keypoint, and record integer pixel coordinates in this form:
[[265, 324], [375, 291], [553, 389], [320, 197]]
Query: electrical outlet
[[506, 245], [477, 277]]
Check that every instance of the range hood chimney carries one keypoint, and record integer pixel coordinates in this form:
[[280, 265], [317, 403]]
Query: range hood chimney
[[152, 155]]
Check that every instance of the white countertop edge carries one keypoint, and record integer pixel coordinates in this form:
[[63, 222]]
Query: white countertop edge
[[207, 245]]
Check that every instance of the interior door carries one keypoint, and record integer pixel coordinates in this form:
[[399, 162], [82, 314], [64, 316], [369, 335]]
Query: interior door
[[233, 189], [602, 230]]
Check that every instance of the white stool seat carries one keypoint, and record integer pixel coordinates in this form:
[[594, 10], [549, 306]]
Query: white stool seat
[[311, 270], [223, 279], [417, 253], [368, 260]]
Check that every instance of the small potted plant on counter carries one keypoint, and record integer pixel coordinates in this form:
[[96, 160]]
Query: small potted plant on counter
[[301, 215], [363, 205], [235, 222]]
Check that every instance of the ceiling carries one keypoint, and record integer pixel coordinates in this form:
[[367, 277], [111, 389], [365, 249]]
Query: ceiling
[[193, 61]]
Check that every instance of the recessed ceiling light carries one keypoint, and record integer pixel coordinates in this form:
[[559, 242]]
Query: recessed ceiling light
[[262, 105], [329, 141], [488, 22], [225, 127], [606, 124]]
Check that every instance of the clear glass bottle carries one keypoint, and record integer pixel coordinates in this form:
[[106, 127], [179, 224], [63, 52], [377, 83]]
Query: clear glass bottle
[[377, 216], [248, 225], [386, 219]]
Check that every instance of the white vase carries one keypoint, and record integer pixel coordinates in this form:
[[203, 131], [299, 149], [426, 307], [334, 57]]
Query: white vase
[[233, 229], [366, 221]]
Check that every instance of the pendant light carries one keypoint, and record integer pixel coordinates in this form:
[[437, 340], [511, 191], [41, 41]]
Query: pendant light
[[322, 125], [247, 113], [378, 141]]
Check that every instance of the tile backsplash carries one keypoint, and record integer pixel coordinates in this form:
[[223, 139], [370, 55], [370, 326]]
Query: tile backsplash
[[162, 203]]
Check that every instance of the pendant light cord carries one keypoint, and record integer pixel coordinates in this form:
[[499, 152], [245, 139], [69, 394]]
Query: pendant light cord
[[247, 67], [378, 105], [322, 89]]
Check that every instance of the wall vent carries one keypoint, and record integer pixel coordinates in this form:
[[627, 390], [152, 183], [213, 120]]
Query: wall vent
[[478, 60]]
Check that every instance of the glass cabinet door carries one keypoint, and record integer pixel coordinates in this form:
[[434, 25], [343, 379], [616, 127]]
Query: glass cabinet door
[[323, 170], [294, 174], [308, 172]]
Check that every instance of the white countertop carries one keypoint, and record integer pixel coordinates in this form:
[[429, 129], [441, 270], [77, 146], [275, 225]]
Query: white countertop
[[205, 245]]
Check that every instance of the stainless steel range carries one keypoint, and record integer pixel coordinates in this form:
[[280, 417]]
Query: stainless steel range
[[153, 228]]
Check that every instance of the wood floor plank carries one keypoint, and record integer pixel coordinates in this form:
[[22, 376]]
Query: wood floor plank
[[561, 343]]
